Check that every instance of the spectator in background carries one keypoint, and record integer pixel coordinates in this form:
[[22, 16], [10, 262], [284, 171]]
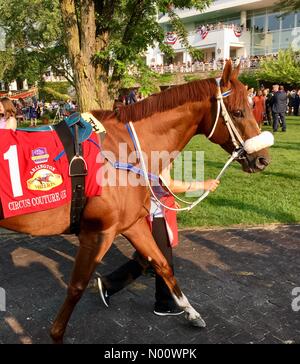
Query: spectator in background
[[259, 107], [33, 114], [290, 96], [296, 103], [279, 107], [131, 99], [69, 107], [19, 111], [269, 101], [8, 114], [250, 97]]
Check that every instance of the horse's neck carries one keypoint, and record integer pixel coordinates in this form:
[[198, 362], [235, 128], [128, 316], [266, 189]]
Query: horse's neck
[[171, 130], [166, 132]]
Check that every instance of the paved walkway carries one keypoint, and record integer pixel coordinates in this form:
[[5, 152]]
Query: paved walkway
[[241, 280]]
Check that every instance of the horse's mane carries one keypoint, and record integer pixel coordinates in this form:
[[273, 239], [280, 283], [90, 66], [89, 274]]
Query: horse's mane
[[198, 90]]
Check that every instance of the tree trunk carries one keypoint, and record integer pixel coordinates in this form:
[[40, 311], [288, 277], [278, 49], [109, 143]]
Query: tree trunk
[[80, 29], [105, 100]]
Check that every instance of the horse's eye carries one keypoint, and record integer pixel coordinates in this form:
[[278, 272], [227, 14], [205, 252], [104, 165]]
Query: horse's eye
[[237, 113]]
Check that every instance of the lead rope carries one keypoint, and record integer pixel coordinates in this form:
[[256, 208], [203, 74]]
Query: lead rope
[[234, 155]]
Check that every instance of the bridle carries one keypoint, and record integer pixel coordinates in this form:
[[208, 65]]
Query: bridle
[[236, 138]]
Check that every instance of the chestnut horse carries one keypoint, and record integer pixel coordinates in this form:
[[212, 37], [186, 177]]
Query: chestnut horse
[[163, 122]]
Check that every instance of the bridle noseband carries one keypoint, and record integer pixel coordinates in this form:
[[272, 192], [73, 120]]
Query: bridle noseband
[[236, 138]]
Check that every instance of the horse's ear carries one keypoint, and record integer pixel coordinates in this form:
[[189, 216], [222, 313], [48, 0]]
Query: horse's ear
[[236, 71], [227, 73]]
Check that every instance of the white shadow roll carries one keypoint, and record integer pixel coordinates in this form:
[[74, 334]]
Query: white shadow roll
[[259, 142]]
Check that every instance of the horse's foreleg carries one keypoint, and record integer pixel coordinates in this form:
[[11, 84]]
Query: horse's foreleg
[[92, 249], [140, 237]]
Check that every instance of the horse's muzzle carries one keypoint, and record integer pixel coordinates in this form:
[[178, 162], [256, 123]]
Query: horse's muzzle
[[253, 164]]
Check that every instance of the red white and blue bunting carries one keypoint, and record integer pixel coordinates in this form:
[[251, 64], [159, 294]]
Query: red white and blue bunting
[[202, 31], [171, 38], [237, 32]]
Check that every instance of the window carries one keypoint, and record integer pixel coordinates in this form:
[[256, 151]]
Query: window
[[286, 38], [259, 23], [297, 15], [288, 21], [273, 22], [249, 23]]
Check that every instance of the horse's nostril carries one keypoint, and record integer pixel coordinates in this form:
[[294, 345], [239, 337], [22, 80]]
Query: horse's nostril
[[261, 162]]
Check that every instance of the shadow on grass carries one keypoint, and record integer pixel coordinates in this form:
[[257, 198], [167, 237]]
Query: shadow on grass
[[288, 146], [282, 175]]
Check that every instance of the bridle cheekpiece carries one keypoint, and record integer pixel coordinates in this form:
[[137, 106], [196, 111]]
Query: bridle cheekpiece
[[236, 138]]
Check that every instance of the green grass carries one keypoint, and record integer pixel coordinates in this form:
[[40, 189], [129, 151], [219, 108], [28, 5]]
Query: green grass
[[272, 196]]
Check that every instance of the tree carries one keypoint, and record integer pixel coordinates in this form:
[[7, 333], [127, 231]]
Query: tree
[[106, 40], [284, 69], [288, 5], [33, 39], [250, 78]]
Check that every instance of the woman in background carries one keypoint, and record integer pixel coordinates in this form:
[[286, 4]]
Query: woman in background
[[259, 107], [7, 114]]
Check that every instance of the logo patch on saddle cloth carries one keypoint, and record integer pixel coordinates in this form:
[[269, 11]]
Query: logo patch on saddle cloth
[[40, 155], [33, 178], [44, 180]]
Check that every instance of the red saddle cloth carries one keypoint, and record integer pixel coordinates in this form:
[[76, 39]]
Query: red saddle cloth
[[32, 180]]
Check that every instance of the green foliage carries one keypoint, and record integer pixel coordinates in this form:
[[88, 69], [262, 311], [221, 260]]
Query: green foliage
[[34, 37], [61, 87], [48, 94], [133, 28], [250, 78], [214, 74], [189, 78], [288, 5], [7, 62], [284, 69], [166, 78]]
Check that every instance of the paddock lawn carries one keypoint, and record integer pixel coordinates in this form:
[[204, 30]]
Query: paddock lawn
[[272, 196]]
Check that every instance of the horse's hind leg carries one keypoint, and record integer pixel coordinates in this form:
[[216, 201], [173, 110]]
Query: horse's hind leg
[[140, 237], [92, 249]]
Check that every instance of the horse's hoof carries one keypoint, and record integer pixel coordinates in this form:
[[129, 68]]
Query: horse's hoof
[[198, 322]]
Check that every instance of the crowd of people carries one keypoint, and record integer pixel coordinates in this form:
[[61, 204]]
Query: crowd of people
[[209, 65], [32, 109], [220, 26], [271, 106]]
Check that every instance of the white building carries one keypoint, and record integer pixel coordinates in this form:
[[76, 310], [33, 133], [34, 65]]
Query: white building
[[232, 28]]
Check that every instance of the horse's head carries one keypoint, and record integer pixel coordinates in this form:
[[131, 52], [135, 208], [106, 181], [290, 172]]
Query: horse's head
[[233, 124]]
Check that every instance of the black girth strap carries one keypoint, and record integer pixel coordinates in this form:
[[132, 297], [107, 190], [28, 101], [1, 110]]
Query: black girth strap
[[77, 172]]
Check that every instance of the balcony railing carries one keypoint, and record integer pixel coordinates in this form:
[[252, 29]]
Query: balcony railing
[[195, 67]]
